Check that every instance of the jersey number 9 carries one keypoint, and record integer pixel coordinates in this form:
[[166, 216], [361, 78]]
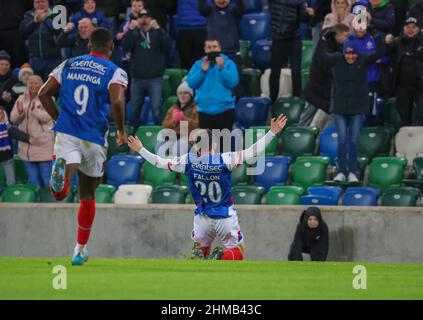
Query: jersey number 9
[[81, 96]]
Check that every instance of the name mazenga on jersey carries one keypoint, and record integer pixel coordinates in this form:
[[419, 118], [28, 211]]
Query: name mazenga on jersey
[[84, 77]]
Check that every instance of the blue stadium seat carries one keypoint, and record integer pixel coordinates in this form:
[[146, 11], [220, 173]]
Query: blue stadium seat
[[255, 26], [330, 192], [262, 53], [361, 197], [329, 144], [252, 111], [123, 170], [253, 6], [275, 172], [317, 200]]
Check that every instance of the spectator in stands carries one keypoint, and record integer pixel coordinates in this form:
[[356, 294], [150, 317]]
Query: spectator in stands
[[90, 11], [401, 9], [311, 237], [214, 77], [317, 91], [407, 65], [136, 7], [37, 123], [286, 16], [7, 81], [161, 9], [383, 16], [37, 27], [417, 12], [321, 8], [148, 43], [192, 33], [72, 6], [341, 13], [223, 18], [6, 152], [350, 100], [184, 110], [77, 42], [24, 73], [11, 15]]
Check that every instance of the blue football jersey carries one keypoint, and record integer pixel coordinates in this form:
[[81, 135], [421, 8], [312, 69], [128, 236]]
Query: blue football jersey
[[209, 180], [84, 96]]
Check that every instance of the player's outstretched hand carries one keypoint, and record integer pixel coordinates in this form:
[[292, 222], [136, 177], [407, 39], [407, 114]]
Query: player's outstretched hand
[[135, 143], [121, 138], [276, 125]]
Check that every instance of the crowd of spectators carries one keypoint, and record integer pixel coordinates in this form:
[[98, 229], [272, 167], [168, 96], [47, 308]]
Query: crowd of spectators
[[382, 60]]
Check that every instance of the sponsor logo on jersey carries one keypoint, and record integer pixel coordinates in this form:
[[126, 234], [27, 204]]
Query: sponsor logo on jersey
[[89, 64]]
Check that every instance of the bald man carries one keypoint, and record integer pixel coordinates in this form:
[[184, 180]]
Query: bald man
[[77, 41]]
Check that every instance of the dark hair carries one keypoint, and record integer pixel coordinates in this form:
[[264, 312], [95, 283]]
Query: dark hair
[[101, 39], [212, 39], [340, 28]]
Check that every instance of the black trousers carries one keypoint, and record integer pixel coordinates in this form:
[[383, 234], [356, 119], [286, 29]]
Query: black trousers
[[220, 121], [282, 51], [190, 46], [11, 41], [406, 96]]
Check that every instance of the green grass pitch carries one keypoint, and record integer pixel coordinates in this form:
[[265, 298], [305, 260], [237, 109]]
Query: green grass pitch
[[32, 278]]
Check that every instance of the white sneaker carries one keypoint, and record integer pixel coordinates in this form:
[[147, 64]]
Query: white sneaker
[[340, 177], [352, 177]]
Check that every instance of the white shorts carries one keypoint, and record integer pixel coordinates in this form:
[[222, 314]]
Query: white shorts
[[228, 230], [90, 156]]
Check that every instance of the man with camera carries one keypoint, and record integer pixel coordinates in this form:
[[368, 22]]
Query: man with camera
[[214, 77]]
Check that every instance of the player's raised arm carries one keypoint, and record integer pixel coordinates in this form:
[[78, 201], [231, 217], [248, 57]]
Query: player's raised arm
[[117, 104], [233, 159], [177, 164], [46, 94]]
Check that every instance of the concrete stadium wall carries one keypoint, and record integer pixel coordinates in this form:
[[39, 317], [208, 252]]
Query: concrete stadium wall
[[376, 234]]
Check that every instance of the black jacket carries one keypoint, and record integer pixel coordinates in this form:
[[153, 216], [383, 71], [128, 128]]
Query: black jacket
[[401, 8], [146, 62], [350, 87], [312, 241], [406, 51], [74, 41], [12, 13], [321, 9], [286, 16], [160, 9], [416, 11], [6, 84], [317, 90]]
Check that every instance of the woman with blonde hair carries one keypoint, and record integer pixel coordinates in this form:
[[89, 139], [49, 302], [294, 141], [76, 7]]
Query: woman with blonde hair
[[341, 13], [37, 123]]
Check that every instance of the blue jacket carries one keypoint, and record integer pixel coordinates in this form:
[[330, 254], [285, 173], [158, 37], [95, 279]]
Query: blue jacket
[[97, 18], [367, 46], [213, 89], [188, 15]]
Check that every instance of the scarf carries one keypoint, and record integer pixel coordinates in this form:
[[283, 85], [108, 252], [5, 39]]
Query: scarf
[[4, 135]]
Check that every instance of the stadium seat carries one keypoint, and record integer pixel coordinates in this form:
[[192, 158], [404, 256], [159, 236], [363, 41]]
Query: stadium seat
[[255, 26], [375, 141], [133, 194], [400, 197], [307, 54], [21, 175], [390, 114], [175, 78], [330, 192], [19, 193], [3, 179], [249, 83], [409, 143], [154, 176], [244, 48], [305, 75], [258, 132], [167, 87], [46, 196], [113, 149], [386, 172], [148, 136], [262, 53], [291, 107], [169, 102], [252, 6], [284, 195], [360, 197], [252, 111], [275, 172], [168, 194], [329, 144], [123, 170], [299, 141], [309, 171], [104, 193], [317, 200], [246, 195], [239, 175], [417, 173]]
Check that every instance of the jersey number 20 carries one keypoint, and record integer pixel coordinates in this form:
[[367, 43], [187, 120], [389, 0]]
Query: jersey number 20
[[210, 190], [81, 96]]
